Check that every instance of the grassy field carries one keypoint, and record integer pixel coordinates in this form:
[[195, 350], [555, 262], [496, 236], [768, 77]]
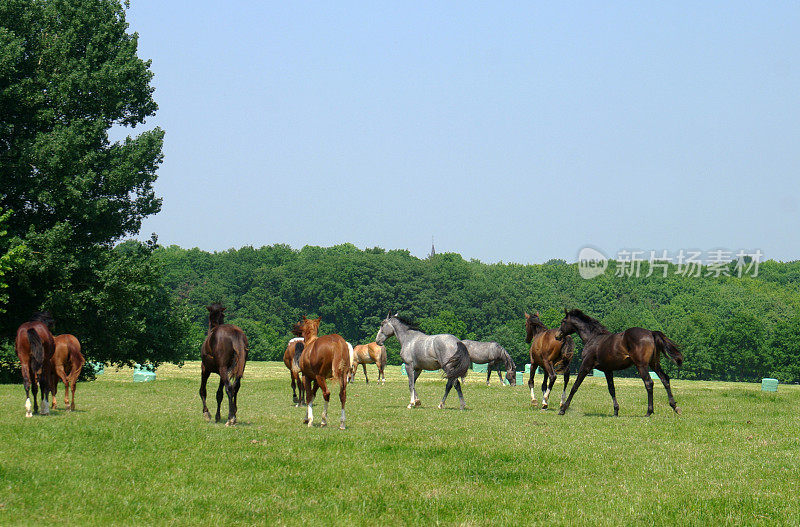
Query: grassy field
[[141, 453]]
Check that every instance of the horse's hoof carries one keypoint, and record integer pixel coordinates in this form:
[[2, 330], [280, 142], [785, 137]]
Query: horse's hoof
[[410, 406], [463, 406], [207, 416], [561, 412], [341, 426], [305, 420], [323, 423], [534, 403], [677, 410], [28, 413], [544, 406], [417, 403], [440, 406], [310, 423]]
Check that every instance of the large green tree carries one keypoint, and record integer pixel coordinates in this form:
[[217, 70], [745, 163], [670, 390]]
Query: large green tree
[[69, 74]]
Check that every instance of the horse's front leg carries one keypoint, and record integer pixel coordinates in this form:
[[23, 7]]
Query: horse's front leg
[[230, 389], [566, 382], [364, 365], [532, 384], [326, 397], [342, 399], [26, 382], [220, 395], [586, 368], [549, 381], [412, 379]]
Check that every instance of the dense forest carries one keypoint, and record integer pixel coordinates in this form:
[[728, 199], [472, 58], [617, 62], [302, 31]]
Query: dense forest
[[728, 327]]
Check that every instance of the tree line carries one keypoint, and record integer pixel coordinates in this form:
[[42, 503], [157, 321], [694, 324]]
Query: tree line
[[729, 328]]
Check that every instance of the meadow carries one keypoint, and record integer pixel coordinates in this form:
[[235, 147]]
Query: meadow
[[141, 453]]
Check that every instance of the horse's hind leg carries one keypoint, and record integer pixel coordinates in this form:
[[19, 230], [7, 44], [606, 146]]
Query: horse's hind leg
[[204, 373], [550, 376], [566, 382], [230, 389], [450, 383], [644, 373], [311, 392], [612, 391], [665, 381], [220, 395], [326, 398], [500, 375], [26, 382], [342, 399], [295, 400], [460, 395], [364, 365], [488, 373]]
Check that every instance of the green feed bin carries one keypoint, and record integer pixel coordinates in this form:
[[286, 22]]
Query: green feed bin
[[97, 367], [528, 369], [520, 378], [654, 376], [598, 373], [403, 370], [144, 373], [479, 367], [769, 385]]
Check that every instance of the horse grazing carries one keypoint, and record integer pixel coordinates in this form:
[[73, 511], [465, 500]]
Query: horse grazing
[[616, 351], [291, 359], [224, 352], [494, 355], [552, 355], [427, 352], [371, 353], [67, 362], [325, 357], [35, 346]]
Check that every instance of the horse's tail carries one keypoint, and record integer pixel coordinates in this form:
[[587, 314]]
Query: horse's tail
[[567, 351], [383, 357], [239, 346], [663, 343], [37, 349], [457, 366], [298, 350], [351, 357]]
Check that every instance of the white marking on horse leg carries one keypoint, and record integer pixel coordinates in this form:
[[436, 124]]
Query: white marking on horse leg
[[28, 407], [324, 420], [341, 421], [310, 414], [533, 396], [563, 396], [45, 406]]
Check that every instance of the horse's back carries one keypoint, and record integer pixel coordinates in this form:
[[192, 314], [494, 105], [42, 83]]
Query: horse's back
[[226, 345], [23, 344], [324, 354]]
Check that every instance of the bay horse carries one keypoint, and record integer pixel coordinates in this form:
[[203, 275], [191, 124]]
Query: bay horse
[[35, 346], [325, 357], [495, 355], [427, 352], [616, 351], [552, 355], [293, 350], [67, 362], [371, 353], [224, 352]]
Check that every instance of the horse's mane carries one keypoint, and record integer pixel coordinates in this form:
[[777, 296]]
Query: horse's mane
[[44, 317], [410, 324], [594, 325]]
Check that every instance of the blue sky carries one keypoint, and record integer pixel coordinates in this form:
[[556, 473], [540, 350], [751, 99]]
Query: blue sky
[[513, 132]]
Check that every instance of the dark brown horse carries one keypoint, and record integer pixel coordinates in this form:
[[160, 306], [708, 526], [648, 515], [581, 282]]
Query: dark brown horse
[[324, 358], [67, 362], [35, 348], [365, 354], [224, 352], [552, 355], [609, 352], [291, 359]]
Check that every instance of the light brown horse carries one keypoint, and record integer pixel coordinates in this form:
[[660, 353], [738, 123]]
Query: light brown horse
[[291, 359], [67, 362], [365, 354], [35, 346], [224, 352], [323, 358], [608, 352], [552, 355]]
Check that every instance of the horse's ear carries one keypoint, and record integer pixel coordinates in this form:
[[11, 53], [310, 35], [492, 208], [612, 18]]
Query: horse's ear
[[537, 314], [319, 319], [304, 317], [527, 315]]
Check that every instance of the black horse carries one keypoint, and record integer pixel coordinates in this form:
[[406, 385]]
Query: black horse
[[616, 351]]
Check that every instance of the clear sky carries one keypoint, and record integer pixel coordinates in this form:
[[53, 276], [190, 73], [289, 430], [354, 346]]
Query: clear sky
[[513, 132]]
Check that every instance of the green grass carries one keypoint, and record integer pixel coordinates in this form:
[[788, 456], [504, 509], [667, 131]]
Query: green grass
[[141, 453]]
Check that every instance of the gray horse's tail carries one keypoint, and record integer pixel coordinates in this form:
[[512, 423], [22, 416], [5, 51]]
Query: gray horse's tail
[[382, 359], [567, 351], [458, 365], [37, 349], [298, 350], [663, 343]]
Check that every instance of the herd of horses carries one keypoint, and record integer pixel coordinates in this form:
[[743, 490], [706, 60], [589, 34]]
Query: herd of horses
[[312, 359]]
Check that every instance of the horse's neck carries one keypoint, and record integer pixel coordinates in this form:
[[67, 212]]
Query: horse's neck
[[587, 332], [405, 334], [309, 337]]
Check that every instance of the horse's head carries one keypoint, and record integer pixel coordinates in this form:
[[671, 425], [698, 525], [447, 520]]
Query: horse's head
[[567, 326], [386, 330], [216, 315], [309, 327], [511, 373], [297, 329], [532, 326]]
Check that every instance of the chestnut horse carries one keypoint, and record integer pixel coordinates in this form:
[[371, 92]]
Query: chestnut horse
[[616, 351], [224, 352], [370, 353], [291, 359], [323, 358], [35, 348], [68, 362], [552, 355]]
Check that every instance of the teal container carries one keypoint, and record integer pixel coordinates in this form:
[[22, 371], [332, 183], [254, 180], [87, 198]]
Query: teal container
[[598, 373], [403, 369], [97, 367], [528, 368], [654, 376], [769, 385], [144, 373], [480, 367], [520, 378]]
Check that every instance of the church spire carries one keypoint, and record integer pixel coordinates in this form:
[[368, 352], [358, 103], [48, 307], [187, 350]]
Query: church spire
[[433, 249]]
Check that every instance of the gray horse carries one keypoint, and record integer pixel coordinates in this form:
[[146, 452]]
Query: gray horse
[[494, 354], [427, 352]]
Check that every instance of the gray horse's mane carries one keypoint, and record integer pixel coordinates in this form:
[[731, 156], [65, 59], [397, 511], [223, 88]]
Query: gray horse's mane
[[594, 325], [406, 322]]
